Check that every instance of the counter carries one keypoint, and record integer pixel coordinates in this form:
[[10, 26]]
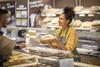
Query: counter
[[78, 64], [37, 61]]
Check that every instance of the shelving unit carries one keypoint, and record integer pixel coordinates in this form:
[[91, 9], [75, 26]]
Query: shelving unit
[[35, 7], [89, 39], [10, 6], [22, 15]]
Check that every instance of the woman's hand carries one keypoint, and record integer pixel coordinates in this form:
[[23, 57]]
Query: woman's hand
[[61, 46]]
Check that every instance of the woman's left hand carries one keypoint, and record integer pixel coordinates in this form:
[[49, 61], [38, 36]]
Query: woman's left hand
[[61, 46]]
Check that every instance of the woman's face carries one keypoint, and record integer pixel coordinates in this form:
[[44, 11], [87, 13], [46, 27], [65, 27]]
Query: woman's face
[[62, 21]]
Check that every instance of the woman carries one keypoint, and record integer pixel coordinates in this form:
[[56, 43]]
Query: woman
[[66, 36]]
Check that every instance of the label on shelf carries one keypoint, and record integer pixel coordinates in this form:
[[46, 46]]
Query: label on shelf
[[90, 15], [81, 15], [18, 22], [97, 12], [24, 22]]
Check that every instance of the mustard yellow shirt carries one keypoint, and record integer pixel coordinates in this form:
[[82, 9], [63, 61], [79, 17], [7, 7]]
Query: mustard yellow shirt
[[71, 38]]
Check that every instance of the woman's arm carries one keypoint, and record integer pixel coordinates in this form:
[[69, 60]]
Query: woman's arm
[[72, 41], [71, 44]]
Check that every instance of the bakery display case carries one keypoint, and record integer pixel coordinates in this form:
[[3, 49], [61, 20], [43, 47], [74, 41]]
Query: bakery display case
[[38, 57], [89, 46]]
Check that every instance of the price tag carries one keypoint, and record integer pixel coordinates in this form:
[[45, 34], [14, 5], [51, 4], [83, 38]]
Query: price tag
[[90, 14], [81, 15], [98, 13]]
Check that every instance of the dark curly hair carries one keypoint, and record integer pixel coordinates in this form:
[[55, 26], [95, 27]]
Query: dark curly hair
[[69, 13]]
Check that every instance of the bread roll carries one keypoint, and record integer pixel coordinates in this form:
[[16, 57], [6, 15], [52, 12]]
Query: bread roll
[[47, 38]]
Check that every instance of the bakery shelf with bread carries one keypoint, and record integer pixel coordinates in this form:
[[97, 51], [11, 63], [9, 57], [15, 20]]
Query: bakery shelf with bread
[[87, 18]]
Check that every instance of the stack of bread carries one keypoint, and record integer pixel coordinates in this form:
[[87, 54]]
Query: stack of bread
[[76, 23], [86, 24], [78, 9], [15, 59], [96, 24]]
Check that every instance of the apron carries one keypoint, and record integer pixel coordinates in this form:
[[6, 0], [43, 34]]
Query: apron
[[63, 40]]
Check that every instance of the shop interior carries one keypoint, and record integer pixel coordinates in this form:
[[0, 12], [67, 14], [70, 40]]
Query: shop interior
[[29, 20]]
